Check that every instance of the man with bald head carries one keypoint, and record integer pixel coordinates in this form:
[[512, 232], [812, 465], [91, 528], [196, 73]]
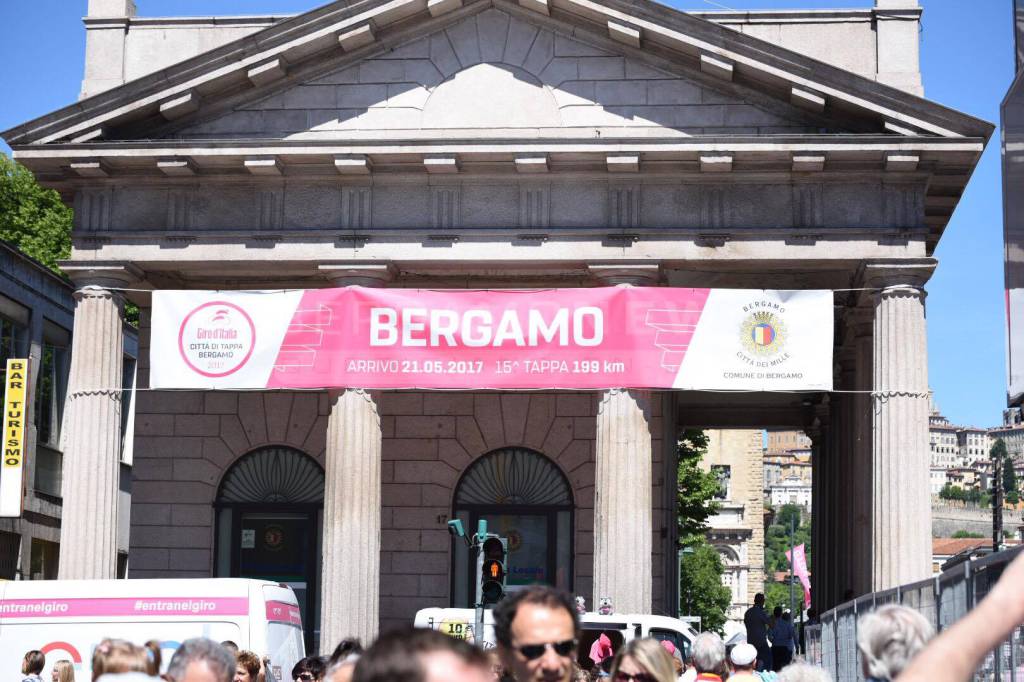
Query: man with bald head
[[201, 660], [419, 655]]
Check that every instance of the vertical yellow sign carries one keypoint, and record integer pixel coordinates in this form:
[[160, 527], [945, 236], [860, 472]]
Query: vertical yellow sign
[[13, 463]]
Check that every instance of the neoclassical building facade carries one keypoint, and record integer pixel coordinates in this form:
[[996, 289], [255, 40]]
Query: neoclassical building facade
[[494, 144]]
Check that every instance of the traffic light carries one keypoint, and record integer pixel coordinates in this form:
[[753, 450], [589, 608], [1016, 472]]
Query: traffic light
[[492, 570]]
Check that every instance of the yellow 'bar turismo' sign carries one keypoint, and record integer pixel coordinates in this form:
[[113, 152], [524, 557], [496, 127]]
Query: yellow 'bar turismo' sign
[[12, 468]]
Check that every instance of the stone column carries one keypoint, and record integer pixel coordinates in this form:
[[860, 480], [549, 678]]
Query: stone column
[[901, 510], [623, 499], [350, 590], [92, 431], [352, 499], [622, 502]]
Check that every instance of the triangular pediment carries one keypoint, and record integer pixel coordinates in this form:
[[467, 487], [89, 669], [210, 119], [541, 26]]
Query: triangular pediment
[[496, 74], [639, 67]]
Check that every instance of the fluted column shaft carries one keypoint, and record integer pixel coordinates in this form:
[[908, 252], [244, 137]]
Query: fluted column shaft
[[92, 436], [622, 502], [352, 526], [901, 510]]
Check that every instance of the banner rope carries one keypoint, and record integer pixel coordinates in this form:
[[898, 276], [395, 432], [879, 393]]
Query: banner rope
[[881, 394]]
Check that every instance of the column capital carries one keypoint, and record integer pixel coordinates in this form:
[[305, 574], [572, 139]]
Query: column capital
[[635, 274], [897, 277], [373, 275], [102, 275], [371, 397]]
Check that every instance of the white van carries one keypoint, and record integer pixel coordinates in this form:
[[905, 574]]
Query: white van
[[619, 627], [66, 619]]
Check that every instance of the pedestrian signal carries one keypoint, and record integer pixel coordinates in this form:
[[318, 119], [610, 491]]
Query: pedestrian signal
[[492, 570]]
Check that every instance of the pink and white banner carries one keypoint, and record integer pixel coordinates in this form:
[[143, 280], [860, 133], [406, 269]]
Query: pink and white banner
[[798, 560], [610, 337]]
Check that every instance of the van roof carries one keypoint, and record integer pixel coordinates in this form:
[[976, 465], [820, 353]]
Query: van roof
[[169, 587]]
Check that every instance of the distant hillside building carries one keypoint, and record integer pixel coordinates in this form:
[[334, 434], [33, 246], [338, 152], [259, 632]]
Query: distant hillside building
[[791, 490], [737, 531], [942, 441]]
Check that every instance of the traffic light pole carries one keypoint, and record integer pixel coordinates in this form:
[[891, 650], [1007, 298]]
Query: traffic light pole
[[491, 557]]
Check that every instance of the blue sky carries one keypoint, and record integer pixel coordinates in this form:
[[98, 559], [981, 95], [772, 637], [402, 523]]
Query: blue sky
[[967, 62]]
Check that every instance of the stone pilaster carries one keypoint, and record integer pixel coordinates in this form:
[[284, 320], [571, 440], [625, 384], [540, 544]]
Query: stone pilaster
[[622, 502], [861, 481], [352, 526], [843, 444], [821, 481], [901, 518], [92, 437]]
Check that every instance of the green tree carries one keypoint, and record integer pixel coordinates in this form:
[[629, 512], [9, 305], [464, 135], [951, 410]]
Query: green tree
[[700, 570], [32, 218], [777, 594], [960, 534], [777, 541], [1010, 485], [696, 489], [703, 594], [37, 222]]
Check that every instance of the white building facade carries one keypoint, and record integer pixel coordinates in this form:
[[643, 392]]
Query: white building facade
[[792, 490], [492, 144]]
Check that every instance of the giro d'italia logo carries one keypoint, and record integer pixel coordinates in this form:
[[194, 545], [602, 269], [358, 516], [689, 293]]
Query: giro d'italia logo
[[763, 333], [216, 339]]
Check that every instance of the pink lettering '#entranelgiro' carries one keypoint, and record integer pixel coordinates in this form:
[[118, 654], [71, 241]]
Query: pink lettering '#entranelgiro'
[[124, 606]]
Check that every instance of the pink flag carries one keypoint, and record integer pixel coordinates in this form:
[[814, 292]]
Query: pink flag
[[799, 562]]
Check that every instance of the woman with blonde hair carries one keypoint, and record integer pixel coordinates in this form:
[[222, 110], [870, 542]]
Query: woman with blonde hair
[[643, 660], [63, 671], [113, 656]]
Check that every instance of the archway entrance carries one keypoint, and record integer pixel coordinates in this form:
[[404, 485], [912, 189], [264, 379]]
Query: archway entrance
[[526, 498], [269, 525]]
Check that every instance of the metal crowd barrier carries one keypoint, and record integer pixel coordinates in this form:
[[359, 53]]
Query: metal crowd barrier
[[943, 600]]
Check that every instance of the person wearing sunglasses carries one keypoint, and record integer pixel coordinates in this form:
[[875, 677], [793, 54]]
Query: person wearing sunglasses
[[643, 660], [537, 630], [309, 669]]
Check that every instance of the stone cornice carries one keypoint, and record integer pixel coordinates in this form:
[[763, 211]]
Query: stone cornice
[[854, 153]]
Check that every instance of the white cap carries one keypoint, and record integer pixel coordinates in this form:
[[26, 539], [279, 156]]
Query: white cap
[[743, 654]]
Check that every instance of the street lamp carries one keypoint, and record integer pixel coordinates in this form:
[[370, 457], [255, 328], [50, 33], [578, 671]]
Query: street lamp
[[682, 552]]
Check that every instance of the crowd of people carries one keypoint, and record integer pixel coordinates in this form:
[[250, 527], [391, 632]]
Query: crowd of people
[[537, 633]]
